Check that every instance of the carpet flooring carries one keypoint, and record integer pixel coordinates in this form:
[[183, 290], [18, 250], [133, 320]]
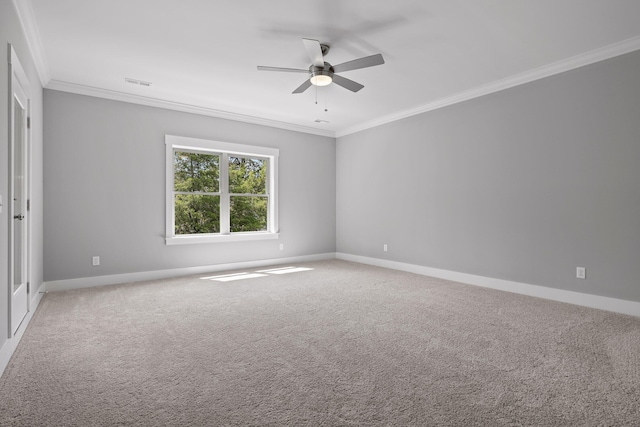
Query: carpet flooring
[[339, 344]]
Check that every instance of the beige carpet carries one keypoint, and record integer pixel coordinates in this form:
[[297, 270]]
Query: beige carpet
[[342, 344]]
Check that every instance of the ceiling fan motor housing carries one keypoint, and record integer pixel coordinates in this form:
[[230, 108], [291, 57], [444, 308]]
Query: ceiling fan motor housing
[[321, 73], [327, 70]]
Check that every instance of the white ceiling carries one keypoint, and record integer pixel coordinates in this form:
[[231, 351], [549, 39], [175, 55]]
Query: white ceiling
[[201, 55]]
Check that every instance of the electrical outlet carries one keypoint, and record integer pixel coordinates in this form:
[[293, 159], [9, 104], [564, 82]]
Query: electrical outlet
[[95, 260], [385, 247], [581, 272], [282, 246]]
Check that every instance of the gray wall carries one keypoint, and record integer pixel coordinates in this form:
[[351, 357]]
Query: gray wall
[[11, 32], [524, 184], [105, 188]]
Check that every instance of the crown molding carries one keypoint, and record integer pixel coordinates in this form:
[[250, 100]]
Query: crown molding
[[597, 55], [34, 42], [177, 106], [28, 23]]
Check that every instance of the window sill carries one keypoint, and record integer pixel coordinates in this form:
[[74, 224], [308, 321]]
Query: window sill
[[218, 238]]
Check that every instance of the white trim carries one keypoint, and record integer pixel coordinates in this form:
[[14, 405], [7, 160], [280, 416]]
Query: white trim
[[577, 298], [225, 200], [170, 213], [34, 41], [219, 238], [178, 106], [18, 87], [220, 146], [16, 68], [11, 344], [89, 282], [272, 182], [542, 72]]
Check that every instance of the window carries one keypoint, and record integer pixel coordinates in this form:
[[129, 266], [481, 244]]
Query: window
[[218, 191]]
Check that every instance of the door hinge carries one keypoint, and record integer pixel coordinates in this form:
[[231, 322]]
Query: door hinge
[[28, 122], [28, 204]]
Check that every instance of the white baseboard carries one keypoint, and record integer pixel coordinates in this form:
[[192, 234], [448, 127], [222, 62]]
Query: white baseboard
[[11, 344], [89, 282], [587, 300]]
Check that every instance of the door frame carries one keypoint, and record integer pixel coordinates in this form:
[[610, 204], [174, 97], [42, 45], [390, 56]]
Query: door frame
[[17, 77]]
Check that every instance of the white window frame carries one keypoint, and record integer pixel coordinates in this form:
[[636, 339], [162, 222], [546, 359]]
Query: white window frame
[[224, 149]]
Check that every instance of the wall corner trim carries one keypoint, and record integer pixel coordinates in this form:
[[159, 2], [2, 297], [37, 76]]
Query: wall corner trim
[[586, 300], [114, 279]]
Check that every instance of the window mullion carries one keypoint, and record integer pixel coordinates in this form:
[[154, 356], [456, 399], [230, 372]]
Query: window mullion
[[248, 194], [267, 190], [200, 193], [225, 220]]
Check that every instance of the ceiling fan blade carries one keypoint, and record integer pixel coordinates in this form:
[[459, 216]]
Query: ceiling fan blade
[[304, 86], [367, 61], [315, 52], [286, 70], [346, 83]]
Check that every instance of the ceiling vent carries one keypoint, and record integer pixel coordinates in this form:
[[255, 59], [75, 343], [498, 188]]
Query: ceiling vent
[[137, 82]]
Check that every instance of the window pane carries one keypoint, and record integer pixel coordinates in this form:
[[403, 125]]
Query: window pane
[[248, 213], [247, 175], [197, 214], [196, 172]]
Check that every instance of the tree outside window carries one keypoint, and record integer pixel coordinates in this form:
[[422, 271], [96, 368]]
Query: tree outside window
[[217, 190]]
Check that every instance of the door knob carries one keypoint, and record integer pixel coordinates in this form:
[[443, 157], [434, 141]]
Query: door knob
[[19, 216]]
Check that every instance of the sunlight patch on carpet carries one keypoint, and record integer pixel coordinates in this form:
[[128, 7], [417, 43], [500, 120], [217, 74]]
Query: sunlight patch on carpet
[[285, 270], [259, 273], [232, 277]]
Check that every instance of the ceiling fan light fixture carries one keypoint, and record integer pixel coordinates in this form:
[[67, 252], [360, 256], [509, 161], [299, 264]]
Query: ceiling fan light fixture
[[321, 80], [321, 73]]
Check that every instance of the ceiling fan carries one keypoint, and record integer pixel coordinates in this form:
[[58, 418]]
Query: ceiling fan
[[322, 73]]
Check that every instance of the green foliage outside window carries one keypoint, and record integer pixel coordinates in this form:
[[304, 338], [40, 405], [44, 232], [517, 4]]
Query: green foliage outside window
[[199, 212], [248, 176], [198, 173]]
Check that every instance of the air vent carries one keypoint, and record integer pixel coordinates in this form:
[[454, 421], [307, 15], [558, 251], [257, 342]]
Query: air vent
[[137, 82], [323, 122]]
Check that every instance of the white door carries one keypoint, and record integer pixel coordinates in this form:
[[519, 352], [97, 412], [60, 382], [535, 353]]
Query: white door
[[19, 229]]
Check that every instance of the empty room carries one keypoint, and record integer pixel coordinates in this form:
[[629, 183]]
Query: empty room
[[338, 213]]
